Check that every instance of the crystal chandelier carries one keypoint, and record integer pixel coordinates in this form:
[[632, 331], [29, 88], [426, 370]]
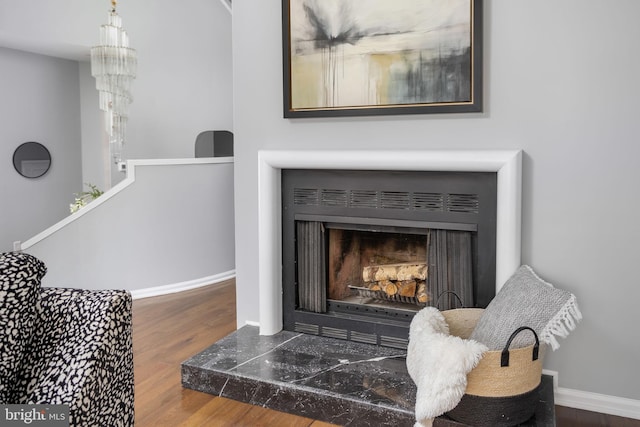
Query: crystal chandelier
[[113, 64]]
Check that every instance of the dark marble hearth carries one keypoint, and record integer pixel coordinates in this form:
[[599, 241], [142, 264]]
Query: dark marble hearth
[[336, 381]]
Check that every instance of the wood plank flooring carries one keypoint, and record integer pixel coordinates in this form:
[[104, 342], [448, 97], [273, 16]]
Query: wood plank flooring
[[571, 417], [169, 329]]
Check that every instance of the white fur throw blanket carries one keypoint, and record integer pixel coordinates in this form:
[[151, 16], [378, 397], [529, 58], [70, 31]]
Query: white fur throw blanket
[[438, 363]]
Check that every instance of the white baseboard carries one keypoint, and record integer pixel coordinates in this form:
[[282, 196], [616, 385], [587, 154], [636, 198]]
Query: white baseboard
[[183, 286], [596, 402]]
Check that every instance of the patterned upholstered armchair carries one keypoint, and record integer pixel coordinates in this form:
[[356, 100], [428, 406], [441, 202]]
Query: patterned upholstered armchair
[[64, 346]]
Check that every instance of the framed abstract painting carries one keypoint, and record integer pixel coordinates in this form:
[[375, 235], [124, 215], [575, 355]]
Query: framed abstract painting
[[379, 57]]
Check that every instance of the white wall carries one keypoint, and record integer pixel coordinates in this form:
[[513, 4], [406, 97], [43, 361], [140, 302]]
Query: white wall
[[172, 224], [561, 84], [41, 103]]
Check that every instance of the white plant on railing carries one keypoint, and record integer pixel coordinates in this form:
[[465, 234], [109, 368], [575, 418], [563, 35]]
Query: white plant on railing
[[85, 197]]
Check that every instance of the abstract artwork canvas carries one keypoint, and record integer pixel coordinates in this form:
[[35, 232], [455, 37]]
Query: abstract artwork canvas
[[368, 57]]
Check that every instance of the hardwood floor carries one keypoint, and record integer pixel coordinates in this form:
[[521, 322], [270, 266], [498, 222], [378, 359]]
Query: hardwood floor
[[169, 329], [570, 417]]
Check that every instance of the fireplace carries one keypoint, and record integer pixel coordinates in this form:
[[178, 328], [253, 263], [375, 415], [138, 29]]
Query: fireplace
[[506, 164], [363, 251], [342, 382]]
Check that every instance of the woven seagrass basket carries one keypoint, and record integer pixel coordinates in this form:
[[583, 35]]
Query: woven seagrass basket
[[502, 390]]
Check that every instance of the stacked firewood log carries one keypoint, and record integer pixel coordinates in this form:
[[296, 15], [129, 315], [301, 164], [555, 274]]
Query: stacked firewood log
[[405, 279]]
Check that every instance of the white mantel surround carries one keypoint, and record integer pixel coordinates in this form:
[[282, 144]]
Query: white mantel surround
[[507, 164]]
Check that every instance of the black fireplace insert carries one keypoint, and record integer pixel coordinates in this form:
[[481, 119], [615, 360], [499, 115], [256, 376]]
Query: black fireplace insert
[[363, 251]]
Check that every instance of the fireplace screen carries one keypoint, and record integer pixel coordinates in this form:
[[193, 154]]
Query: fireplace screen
[[401, 270], [360, 268]]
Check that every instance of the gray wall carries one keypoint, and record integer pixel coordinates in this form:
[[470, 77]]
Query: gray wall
[[173, 224], [40, 102], [184, 83], [561, 84], [95, 152], [184, 78], [183, 88]]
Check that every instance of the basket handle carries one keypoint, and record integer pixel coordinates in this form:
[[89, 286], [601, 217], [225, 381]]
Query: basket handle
[[449, 292], [504, 359]]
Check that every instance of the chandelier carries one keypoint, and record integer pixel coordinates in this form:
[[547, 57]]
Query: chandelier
[[113, 64]]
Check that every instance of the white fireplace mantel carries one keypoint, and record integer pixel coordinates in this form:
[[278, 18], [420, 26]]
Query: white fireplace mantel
[[507, 164]]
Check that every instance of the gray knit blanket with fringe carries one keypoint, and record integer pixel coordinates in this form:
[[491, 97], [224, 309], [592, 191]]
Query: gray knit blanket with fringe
[[527, 300]]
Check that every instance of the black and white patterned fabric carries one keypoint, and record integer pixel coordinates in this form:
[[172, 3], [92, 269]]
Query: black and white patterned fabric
[[80, 353], [20, 276]]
